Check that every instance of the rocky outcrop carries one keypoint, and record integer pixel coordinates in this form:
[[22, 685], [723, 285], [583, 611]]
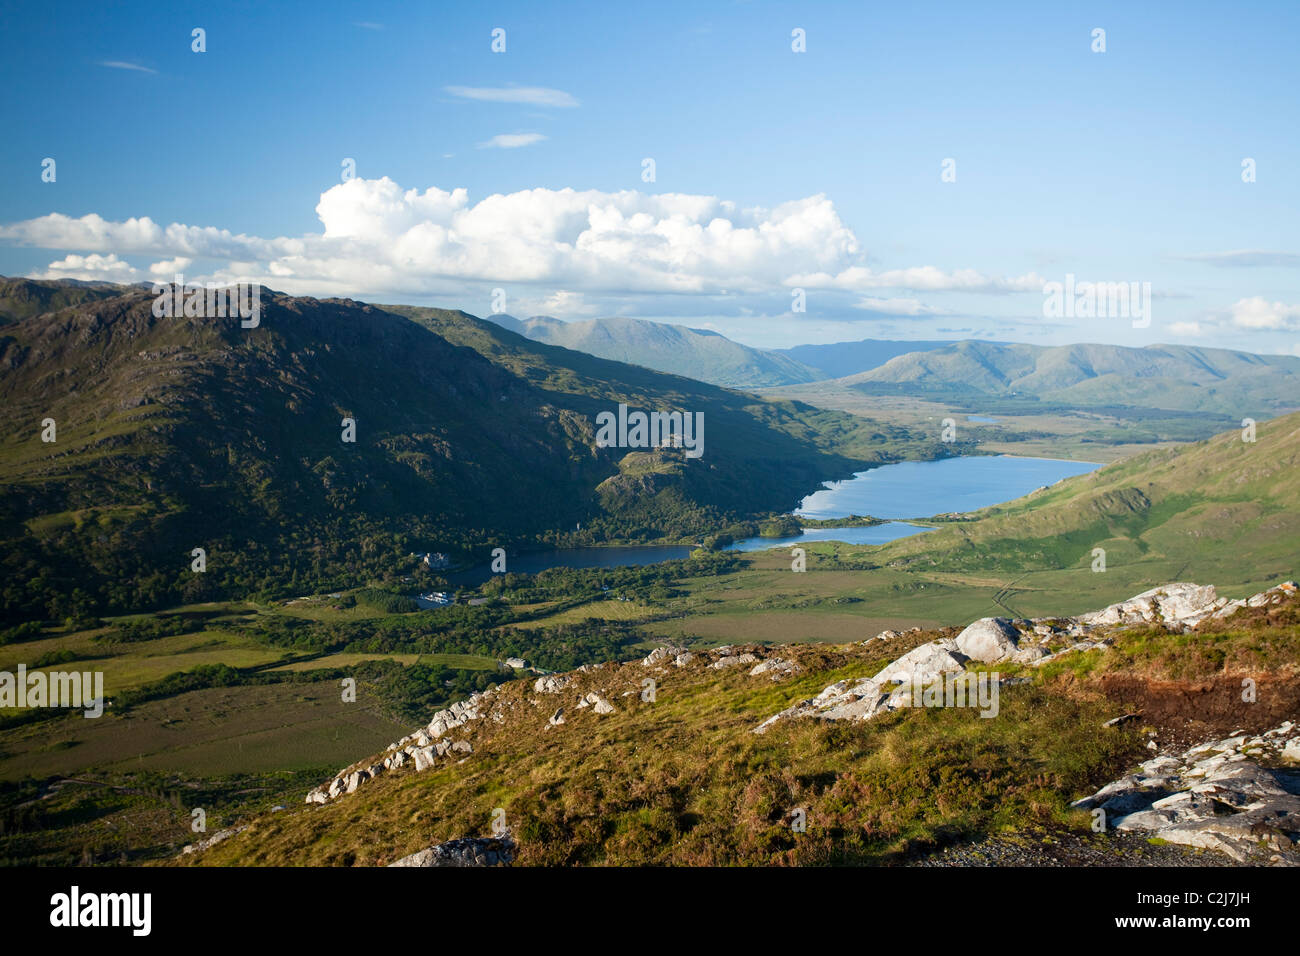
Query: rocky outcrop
[[776, 668], [1179, 605], [732, 660], [1234, 795], [993, 640], [213, 840], [422, 748], [467, 852], [550, 684], [662, 654], [924, 663]]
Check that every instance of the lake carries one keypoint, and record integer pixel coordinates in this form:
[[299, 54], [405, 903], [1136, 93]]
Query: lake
[[909, 489], [918, 489]]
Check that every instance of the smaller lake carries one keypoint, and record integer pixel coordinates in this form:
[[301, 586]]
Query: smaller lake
[[605, 557], [876, 534], [980, 418], [918, 489]]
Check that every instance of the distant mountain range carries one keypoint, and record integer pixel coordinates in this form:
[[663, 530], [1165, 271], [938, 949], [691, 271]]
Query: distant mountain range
[[850, 358], [991, 375], [1158, 376], [994, 375], [695, 353]]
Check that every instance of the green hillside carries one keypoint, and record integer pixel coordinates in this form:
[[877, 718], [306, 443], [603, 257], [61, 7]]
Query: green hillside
[[180, 433], [1221, 509]]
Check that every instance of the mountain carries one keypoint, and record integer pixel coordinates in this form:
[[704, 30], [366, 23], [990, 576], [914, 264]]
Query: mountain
[[695, 353], [23, 298], [1173, 377], [850, 358], [179, 433]]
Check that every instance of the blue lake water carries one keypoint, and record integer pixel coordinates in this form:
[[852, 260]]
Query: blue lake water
[[876, 534], [980, 418], [918, 489], [909, 489]]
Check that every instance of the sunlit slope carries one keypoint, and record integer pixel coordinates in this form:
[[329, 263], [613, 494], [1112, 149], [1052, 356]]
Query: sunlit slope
[[1222, 509]]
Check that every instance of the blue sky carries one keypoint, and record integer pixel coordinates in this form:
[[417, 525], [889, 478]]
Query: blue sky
[[774, 170]]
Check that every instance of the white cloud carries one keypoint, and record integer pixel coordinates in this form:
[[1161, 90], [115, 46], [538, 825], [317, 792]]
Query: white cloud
[[104, 268], [706, 254], [563, 303], [530, 95], [1258, 313], [168, 268], [896, 306], [124, 65], [918, 279], [1186, 328], [511, 140]]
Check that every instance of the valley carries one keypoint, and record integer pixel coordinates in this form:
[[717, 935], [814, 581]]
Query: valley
[[226, 686]]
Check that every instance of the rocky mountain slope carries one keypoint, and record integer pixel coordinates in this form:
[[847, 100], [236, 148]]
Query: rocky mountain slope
[[658, 760]]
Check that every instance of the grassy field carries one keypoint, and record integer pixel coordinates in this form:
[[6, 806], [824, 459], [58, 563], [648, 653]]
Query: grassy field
[[473, 662], [209, 733]]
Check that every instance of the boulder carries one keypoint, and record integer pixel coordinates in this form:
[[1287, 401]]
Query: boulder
[[988, 640], [661, 654], [468, 852], [424, 758], [924, 663], [776, 668], [550, 684]]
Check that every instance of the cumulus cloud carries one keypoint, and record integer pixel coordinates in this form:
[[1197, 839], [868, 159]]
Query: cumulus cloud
[[377, 237], [1257, 312], [511, 140], [168, 268], [103, 268], [529, 95]]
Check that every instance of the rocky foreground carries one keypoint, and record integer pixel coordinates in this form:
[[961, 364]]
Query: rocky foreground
[[1216, 796], [994, 640], [1231, 795]]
